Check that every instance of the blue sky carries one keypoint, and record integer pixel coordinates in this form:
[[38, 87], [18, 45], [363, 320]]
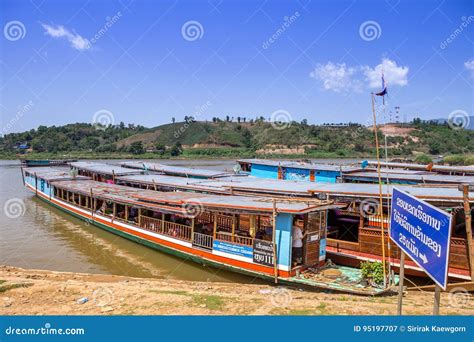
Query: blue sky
[[144, 62]]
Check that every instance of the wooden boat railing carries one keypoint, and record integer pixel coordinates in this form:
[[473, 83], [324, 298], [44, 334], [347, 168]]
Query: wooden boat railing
[[223, 221], [150, 223], [176, 230], [203, 240], [242, 240]]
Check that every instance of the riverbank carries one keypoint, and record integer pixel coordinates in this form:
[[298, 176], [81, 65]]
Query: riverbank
[[40, 292]]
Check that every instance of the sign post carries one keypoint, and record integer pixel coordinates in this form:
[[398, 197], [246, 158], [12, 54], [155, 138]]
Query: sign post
[[423, 232], [402, 277]]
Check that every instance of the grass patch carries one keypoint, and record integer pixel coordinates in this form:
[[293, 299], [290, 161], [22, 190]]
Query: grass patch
[[5, 287], [178, 292], [211, 302]]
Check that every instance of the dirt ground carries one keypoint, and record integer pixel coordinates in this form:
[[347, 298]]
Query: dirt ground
[[38, 292]]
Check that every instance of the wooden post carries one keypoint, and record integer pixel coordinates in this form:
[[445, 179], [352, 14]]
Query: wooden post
[[192, 229], [467, 213], [215, 226], [93, 203], [126, 212], [233, 228], [36, 184], [162, 222], [437, 299], [22, 176], [400, 289], [139, 217], [113, 176], [380, 192], [275, 261]]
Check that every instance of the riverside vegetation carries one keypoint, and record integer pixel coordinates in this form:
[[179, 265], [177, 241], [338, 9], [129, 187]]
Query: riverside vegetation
[[418, 141]]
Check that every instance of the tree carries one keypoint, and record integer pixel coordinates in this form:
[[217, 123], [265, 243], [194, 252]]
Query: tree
[[176, 150], [160, 148], [136, 148]]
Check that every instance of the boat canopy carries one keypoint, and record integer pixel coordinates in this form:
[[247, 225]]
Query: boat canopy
[[176, 170], [179, 200], [104, 169]]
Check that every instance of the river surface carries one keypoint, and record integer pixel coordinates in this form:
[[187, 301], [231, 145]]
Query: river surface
[[43, 237]]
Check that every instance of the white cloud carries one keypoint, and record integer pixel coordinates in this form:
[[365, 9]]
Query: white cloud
[[340, 77], [393, 74], [77, 41], [469, 65], [336, 77]]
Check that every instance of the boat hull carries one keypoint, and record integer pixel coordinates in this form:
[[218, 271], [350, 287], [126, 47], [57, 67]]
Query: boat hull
[[196, 255]]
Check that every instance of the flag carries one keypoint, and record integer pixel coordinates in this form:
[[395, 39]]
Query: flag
[[384, 90]]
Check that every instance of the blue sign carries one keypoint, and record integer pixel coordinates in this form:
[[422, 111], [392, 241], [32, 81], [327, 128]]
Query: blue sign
[[226, 247], [423, 232]]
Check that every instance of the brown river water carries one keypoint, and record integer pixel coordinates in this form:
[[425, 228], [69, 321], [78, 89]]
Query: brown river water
[[42, 237]]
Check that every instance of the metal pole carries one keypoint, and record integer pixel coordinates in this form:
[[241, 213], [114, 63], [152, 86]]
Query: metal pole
[[402, 276], [275, 262], [380, 193], [467, 213], [437, 299]]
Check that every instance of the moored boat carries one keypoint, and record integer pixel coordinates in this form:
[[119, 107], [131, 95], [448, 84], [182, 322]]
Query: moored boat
[[354, 231], [250, 235]]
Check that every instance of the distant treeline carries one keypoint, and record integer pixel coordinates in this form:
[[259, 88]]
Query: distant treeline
[[239, 137]]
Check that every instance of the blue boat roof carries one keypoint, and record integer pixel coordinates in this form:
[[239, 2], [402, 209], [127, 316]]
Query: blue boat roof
[[301, 165]]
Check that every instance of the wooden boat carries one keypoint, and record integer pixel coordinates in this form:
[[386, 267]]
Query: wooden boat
[[353, 235], [250, 235], [392, 173], [45, 162]]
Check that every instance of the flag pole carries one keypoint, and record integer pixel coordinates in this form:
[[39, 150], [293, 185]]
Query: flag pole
[[382, 230]]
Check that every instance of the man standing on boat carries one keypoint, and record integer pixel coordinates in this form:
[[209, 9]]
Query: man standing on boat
[[297, 244]]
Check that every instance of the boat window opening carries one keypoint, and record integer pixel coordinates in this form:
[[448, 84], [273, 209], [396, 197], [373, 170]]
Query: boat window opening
[[343, 225]]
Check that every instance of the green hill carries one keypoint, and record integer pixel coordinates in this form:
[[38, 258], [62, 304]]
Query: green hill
[[232, 139]]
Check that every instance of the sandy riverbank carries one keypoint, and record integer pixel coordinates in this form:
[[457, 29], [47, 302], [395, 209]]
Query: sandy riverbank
[[39, 292]]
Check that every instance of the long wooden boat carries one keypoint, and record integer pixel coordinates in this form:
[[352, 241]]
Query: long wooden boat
[[354, 235], [250, 235], [392, 173], [45, 162]]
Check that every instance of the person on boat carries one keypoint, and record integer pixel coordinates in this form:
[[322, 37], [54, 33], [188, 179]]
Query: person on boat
[[297, 245]]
